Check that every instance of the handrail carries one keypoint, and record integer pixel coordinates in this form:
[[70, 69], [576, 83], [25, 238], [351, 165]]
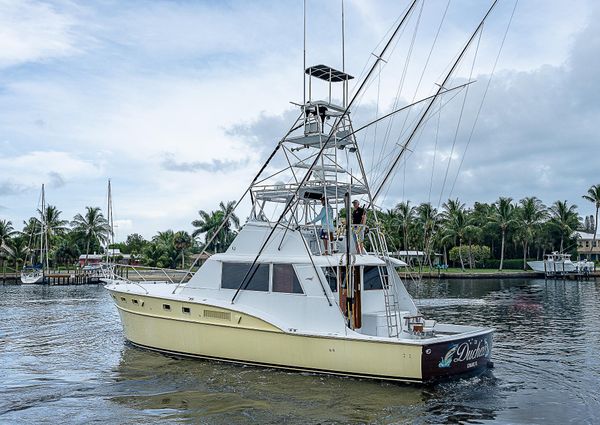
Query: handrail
[[162, 270]]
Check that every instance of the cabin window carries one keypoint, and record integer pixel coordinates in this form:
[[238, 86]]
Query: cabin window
[[166, 307], [186, 310], [372, 278], [133, 300], [233, 274], [123, 299], [331, 276], [285, 279]]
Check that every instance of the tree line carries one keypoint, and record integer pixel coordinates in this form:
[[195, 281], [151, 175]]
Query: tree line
[[504, 229], [483, 234], [90, 233]]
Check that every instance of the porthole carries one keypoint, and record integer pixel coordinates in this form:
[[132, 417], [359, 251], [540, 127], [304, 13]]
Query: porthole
[[123, 299], [186, 310], [134, 301], [166, 307]]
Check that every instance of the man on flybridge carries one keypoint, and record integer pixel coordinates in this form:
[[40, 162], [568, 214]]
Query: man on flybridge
[[359, 219], [326, 218]]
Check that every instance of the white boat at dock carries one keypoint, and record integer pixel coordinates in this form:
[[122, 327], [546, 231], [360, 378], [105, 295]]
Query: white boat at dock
[[31, 275], [294, 293], [557, 263], [36, 272]]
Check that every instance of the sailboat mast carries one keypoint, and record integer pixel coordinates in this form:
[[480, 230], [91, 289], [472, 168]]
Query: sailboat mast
[[109, 217], [44, 232]]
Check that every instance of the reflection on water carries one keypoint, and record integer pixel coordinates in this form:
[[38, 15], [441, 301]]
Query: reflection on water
[[63, 359]]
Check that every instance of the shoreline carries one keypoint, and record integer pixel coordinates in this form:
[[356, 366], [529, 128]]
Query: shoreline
[[499, 275]]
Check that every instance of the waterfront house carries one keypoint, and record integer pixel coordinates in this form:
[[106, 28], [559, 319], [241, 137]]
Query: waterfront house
[[584, 246], [114, 254]]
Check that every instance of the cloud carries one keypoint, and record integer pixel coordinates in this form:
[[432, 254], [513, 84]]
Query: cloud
[[31, 167], [32, 32], [216, 165], [91, 90], [9, 187], [55, 179], [536, 135]]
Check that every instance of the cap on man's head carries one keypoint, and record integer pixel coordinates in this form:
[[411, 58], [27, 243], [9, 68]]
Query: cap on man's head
[[355, 202]]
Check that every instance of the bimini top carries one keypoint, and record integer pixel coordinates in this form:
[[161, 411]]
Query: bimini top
[[327, 73]]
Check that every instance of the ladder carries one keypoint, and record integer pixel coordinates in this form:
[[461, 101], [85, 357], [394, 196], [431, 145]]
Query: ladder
[[392, 308], [391, 304]]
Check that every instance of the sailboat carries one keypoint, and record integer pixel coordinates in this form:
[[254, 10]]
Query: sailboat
[[300, 287], [35, 272]]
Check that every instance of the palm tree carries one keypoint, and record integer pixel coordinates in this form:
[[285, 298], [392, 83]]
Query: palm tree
[[31, 227], [406, 216], [182, 241], [93, 227], [593, 195], [6, 233], [530, 217], [453, 230], [455, 225], [209, 223], [565, 219], [389, 223], [155, 255], [55, 226], [17, 249], [427, 217], [166, 244], [227, 209], [503, 214]]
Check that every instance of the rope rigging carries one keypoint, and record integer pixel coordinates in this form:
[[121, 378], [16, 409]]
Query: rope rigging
[[460, 116], [483, 98]]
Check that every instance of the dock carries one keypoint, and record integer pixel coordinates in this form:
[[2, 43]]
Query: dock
[[75, 277], [501, 275], [86, 277]]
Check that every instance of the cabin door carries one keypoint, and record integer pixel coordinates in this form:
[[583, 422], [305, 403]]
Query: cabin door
[[350, 300]]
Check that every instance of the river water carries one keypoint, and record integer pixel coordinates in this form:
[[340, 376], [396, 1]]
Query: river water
[[63, 360]]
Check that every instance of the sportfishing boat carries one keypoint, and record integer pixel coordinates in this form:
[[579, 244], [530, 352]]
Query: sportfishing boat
[[35, 272], [557, 263], [301, 287]]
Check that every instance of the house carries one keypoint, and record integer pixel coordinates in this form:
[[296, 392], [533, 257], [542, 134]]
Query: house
[[585, 248], [113, 253], [414, 258]]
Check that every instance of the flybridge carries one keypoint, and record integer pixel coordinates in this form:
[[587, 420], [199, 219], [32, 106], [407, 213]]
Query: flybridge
[[324, 131]]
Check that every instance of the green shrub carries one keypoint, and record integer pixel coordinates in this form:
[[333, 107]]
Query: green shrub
[[478, 254], [509, 264]]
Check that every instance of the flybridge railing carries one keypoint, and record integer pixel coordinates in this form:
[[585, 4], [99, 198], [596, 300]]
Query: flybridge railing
[[146, 273], [314, 237]]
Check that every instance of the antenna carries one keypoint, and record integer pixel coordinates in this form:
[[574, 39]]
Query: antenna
[[343, 58], [304, 57]]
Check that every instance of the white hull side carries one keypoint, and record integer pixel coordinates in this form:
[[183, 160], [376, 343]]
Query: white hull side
[[32, 278], [552, 267]]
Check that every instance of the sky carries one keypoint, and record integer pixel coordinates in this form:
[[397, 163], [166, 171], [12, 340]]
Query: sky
[[179, 102]]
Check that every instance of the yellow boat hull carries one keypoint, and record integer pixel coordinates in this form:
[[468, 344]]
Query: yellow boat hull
[[206, 331]]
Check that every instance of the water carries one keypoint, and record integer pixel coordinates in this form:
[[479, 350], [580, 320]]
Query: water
[[63, 359]]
